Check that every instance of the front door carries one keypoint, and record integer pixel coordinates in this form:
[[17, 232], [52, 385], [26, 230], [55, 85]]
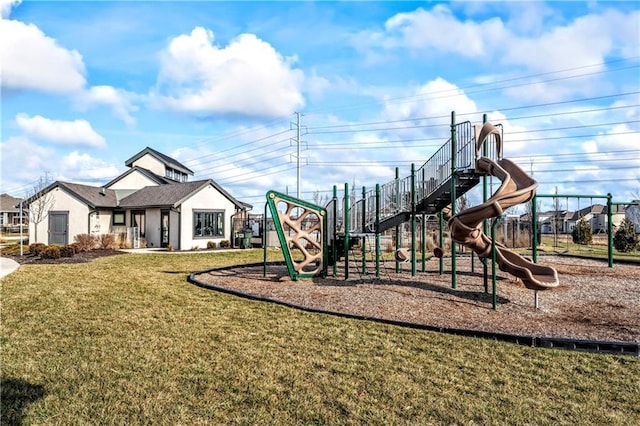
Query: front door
[[164, 228], [58, 228]]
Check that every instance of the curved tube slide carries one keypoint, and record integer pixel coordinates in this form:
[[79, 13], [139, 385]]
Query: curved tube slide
[[517, 187]]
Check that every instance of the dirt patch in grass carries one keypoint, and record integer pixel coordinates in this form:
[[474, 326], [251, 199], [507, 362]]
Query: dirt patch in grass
[[592, 302]]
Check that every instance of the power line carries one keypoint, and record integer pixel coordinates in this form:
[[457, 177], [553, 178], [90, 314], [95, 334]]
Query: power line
[[313, 132], [237, 147], [231, 165], [230, 180], [577, 153], [405, 99]]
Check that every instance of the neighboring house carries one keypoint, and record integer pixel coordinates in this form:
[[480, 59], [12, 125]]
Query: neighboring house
[[152, 201], [596, 216], [10, 212], [553, 221]]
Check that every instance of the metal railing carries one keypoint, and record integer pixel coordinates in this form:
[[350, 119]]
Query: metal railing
[[395, 196]]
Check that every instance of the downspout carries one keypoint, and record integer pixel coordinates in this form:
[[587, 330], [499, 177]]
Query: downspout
[[89, 221], [21, 224], [179, 211]]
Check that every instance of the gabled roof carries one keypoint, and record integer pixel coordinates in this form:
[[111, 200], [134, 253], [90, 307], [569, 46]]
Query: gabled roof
[[163, 195], [9, 203], [171, 195], [160, 180], [596, 209], [168, 161], [93, 196]]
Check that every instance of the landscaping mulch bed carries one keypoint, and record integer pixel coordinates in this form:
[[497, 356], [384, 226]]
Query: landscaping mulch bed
[[593, 302], [82, 257]]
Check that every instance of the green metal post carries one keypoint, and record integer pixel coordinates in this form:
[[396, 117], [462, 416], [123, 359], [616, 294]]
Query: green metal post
[[413, 220], [454, 149], [441, 237], [610, 230], [265, 232], [534, 228], [493, 263], [473, 263], [364, 224], [424, 242], [376, 228], [485, 197], [397, 194], [334, 251], [346, 231]]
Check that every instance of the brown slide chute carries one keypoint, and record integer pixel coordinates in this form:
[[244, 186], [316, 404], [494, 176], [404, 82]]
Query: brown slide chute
[[517, 187]]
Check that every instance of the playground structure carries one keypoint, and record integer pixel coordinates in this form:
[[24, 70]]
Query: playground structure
[[516, 188], [472, 154]]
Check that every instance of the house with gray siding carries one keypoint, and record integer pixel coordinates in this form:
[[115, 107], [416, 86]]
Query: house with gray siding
[[10, 213]]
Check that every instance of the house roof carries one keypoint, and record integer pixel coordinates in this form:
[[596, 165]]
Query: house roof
[[93, 196], [171, 195], [596, 209], [162, 195], [168, 161], [9, 203], [160, 180]]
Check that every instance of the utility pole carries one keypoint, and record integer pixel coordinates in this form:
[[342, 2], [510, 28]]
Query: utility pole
[[298, 142], [298, 155]]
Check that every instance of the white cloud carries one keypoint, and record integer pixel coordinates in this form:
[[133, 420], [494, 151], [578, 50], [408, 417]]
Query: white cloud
[[247, 77], [78, 167], [33, 61], [6, 6], [23, 162], [120, 101], [77, 132], [430, 100], [532, 39], [440, 29], [520, 41]]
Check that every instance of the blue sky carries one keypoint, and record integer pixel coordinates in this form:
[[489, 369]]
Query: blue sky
[[86, 85]]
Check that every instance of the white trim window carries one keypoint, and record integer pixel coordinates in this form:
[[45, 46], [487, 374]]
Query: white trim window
[[208, 223]]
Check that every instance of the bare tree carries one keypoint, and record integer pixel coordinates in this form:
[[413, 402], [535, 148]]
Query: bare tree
[[319, 199], [462, 203], [39, 203]]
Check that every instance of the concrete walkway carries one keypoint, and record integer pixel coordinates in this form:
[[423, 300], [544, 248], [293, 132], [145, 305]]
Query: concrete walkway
[[7, 266]]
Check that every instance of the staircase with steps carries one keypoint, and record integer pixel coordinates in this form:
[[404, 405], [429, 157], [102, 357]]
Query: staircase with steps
[[432, 183]]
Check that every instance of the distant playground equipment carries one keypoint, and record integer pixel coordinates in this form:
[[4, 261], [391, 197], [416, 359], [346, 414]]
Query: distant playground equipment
[[325, 235]]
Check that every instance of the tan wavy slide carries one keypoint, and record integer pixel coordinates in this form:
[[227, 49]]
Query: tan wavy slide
[[517, 187]]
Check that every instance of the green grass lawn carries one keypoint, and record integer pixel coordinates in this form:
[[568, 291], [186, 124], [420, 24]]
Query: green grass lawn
[[126, 340], [599, 250]]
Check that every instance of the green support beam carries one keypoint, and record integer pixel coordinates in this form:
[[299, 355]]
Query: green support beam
[[454, 152]]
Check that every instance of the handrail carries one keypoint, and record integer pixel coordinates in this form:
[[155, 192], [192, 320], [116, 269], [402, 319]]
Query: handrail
[[395, 196]]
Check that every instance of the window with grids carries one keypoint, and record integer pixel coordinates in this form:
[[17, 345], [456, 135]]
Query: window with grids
[[209, 223]]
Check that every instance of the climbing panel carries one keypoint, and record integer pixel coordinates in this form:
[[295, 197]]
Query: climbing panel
[[301, 229]]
